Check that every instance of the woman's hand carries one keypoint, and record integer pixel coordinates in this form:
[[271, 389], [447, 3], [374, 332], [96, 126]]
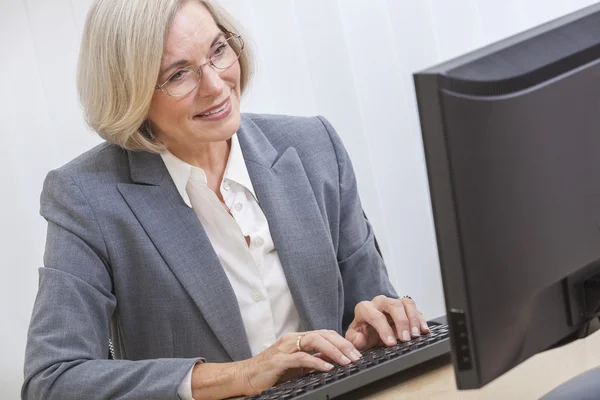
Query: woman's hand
[[383, 320], [283, 360]]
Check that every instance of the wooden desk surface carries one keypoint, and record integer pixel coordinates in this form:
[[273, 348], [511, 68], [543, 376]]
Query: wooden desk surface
[[530, 380]]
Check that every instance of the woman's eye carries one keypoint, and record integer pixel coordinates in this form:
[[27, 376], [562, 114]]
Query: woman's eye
[[179, 75], [220, 50]]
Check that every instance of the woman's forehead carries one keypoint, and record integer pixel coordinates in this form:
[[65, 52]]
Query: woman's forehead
[[193, 28]]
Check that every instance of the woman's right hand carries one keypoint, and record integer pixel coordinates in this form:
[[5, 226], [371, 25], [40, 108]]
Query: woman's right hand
[[283, 360]]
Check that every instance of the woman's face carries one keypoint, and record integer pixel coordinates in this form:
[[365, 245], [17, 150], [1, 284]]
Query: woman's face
[[182, 121]]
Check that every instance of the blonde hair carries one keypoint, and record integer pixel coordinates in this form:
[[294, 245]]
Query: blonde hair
[[119, 62]]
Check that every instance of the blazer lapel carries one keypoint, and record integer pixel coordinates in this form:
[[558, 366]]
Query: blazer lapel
[[299, 232], [178, 235]]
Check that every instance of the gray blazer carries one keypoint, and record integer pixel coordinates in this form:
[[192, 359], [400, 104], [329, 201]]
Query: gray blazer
[[126, 259]]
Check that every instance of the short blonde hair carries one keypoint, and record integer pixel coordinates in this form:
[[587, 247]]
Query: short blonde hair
[[119, 62]]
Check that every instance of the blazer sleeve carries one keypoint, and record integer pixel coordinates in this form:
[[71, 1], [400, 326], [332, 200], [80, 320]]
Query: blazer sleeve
[[363, 271], [66, 355]]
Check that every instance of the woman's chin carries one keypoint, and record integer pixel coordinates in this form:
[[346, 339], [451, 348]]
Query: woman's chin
[[217, 133]]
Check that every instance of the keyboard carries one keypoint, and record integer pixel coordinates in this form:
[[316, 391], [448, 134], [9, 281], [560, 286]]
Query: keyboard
[[375, 364]]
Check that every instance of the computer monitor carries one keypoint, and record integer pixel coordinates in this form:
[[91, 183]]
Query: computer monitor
[[512, 142]]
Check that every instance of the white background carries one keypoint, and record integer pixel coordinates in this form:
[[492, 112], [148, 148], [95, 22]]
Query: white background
[[349, 60]]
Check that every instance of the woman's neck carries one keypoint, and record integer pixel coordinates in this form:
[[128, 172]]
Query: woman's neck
[[210, 157]]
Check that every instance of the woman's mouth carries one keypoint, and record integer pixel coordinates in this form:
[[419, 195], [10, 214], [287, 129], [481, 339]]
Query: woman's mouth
[[216, 114]]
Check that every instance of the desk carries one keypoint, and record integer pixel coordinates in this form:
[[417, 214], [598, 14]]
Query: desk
[[530, 380]]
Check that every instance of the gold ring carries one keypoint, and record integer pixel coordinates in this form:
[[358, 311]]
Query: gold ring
[[298, 340]]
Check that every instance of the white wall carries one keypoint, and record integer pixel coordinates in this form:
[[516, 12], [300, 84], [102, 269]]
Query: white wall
[[349, 60]]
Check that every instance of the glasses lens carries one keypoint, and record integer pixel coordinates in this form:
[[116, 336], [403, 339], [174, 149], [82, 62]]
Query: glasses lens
[[227, 52], [182, 81]]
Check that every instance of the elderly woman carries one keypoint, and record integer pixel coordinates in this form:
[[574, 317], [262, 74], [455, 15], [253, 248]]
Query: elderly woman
[[220, 252]]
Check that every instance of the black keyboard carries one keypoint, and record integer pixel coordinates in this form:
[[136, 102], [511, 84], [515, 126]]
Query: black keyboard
[[375, 364]]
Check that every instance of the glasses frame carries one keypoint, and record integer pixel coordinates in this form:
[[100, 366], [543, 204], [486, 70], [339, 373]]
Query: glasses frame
[[199, 68]]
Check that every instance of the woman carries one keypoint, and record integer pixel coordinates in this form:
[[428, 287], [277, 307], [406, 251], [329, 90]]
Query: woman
[[220, 252]]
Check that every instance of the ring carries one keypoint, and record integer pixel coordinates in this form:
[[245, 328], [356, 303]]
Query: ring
[[298, 340], [405, 297]]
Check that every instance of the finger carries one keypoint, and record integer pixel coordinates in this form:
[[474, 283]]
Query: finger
[[357, 334], [375, 318], [345, 346], [380, 302], [413, 316], [357, 337], [423, 322], [305, 361], [288, 343], [322, 357], [397, 312], [315, 341]]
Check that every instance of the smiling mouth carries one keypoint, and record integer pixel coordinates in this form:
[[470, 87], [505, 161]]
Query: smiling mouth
[[216, 110]]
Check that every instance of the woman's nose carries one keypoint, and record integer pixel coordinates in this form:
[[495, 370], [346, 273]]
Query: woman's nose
[[211, 83]]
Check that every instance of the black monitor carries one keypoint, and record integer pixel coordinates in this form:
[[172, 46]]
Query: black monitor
[[512, 142]]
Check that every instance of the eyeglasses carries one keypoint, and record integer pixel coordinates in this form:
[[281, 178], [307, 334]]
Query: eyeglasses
[[185, 80]]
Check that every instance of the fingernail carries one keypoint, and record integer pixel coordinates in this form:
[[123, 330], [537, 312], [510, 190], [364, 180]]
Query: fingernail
[[405, 336], [425, 326], [356, 354], [345, 360], [328, 366], [391, 340], [415, 331]]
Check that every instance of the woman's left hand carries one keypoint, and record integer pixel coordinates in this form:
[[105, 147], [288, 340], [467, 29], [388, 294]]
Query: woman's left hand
[[383, 320]]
